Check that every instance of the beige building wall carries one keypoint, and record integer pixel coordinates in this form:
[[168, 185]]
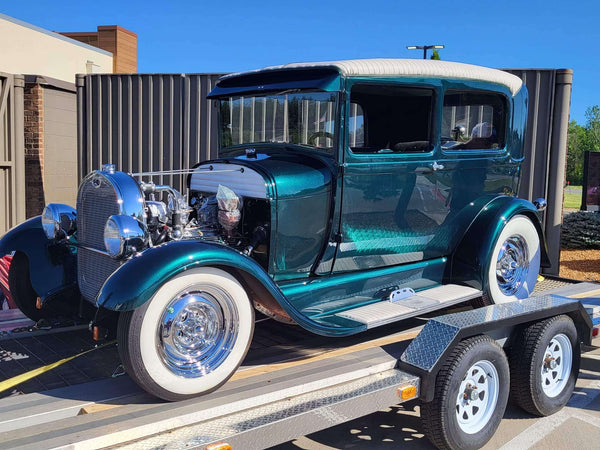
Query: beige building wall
[[25, 48], [60, 146]]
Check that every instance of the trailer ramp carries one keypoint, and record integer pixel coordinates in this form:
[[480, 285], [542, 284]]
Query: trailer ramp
[[283, 390], [302, 395]]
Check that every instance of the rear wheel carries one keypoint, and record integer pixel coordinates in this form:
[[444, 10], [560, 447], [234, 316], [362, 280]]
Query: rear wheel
[[471, 393], [514, 263], [545, 365], [190, 337], [20, 287]]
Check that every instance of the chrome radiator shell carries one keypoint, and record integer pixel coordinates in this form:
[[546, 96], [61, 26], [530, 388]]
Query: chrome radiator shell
[[102, 194]]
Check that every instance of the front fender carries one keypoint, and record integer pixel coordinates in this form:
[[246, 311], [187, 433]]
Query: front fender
[[136, 281], [51, 266], [471, 259]]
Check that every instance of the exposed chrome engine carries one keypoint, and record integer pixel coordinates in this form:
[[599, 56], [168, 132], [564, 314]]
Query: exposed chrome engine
[[118, 217]]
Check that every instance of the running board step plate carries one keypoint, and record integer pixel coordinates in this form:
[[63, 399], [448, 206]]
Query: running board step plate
[[384, 312]]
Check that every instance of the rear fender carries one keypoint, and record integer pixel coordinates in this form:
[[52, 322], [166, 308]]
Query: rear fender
[[52, 266], [136, 281], [470, 261]]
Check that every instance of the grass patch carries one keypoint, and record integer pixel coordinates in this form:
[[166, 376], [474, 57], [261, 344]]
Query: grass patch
[[572, 197]]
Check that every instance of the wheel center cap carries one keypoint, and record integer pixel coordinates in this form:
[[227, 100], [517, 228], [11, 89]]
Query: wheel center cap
[[193, 327], [470, 392], [550, 363]]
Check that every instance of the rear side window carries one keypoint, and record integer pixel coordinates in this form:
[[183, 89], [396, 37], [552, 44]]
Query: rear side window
[[473, 120], [390, 119], [356, 126]]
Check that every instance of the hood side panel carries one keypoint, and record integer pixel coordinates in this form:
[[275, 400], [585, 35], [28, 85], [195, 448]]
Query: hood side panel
[[299, 185]]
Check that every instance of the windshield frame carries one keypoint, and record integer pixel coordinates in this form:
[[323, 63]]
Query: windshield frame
[[237, 149]]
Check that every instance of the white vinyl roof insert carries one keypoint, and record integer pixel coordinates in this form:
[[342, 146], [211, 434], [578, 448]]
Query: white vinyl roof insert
[[407, 68]]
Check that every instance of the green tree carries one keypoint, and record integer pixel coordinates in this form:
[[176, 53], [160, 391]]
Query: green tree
[[592, 128], [575, 149], [580, 139], [435, 55]]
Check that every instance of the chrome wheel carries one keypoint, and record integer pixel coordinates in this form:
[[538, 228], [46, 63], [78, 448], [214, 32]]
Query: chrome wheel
[[512, 266], [556, 365], [197, 331], [477, 397], [191, 337]]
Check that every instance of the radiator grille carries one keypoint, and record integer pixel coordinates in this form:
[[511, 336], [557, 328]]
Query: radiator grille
[[94, 206], [94, 269], [96, 202]]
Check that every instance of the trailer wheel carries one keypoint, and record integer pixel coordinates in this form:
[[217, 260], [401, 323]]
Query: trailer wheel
[[190, 337], [514, 263], [19, 284], [471, 393], [545, 365]]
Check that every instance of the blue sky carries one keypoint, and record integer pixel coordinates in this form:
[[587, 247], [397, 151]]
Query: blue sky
[[210, 36]]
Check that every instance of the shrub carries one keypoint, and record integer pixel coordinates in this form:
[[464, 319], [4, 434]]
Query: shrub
[[581, 229]]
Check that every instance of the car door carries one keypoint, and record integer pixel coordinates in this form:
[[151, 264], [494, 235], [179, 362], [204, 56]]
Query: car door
[[391, 207], [474, 148]]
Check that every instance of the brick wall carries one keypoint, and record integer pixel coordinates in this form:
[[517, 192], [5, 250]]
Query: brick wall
[[34, 149]]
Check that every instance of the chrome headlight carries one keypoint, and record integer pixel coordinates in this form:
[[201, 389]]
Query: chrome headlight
[[58, 220], [124, 236]]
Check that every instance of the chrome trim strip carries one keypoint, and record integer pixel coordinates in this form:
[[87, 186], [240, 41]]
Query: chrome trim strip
[[95, 250], [182, 171]]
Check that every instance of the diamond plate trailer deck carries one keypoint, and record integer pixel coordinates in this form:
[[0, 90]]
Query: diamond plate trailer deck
[[285, 391]]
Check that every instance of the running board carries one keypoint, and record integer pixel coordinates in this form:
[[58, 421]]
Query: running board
[[400, 307]]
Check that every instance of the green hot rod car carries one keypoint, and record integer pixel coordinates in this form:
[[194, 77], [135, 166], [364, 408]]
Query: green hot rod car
[[346, 195]]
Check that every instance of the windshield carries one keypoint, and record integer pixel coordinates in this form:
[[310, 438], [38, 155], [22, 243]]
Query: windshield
[[291, 117]]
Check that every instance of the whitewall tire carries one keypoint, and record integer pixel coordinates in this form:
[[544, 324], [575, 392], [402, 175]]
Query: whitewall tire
[[514, 263], [190, 337]]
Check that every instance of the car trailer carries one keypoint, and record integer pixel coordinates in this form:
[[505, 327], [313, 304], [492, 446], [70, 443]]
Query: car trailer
[[301, 389]]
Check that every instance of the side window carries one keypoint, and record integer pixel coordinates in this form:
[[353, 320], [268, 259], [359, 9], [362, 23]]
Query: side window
[[356, 126], [473, 120], [390, 119]]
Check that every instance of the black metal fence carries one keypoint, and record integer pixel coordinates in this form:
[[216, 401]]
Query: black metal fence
[[150, 122]]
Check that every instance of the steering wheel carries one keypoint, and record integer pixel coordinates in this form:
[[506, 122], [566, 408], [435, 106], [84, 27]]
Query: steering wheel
[[313, 137]]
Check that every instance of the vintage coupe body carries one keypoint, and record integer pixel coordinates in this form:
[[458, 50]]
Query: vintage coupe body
[[346, 195]]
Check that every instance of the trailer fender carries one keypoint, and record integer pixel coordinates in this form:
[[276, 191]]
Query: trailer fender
[[136, 281], [470, 261], [427, 352], [52, 266]]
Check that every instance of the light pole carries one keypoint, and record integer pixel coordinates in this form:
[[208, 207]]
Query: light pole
[[424, 48]]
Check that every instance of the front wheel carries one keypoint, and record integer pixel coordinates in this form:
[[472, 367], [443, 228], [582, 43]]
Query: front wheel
[[471, 393], [544, 365], [190, 337], [19, 283], [514, 263]]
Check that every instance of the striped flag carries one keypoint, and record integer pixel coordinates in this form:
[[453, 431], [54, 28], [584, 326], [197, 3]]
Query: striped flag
[[4, 266]]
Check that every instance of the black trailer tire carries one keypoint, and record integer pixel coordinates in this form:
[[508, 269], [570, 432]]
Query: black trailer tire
[[190, 338], [477, 369], [19, 283], [544, 364]]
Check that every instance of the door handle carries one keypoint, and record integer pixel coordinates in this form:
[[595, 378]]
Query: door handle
[[436, 166]]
